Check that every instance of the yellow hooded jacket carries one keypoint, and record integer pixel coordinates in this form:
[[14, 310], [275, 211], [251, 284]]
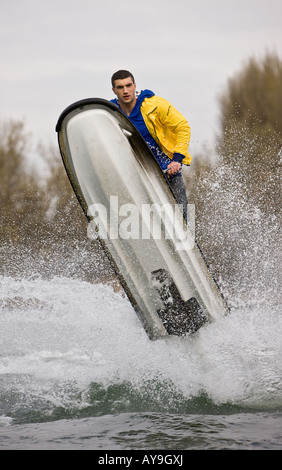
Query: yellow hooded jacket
[[167, 126]]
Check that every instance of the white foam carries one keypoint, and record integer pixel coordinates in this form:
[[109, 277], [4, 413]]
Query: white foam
[[64, 330]]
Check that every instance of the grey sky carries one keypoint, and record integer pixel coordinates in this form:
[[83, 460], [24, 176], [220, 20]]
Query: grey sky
[[55, 52]]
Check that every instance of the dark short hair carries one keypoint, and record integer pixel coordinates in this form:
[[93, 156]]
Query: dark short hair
[[120, 75]]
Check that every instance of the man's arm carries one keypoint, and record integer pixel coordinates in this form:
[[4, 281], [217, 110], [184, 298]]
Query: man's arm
[[176, 130]]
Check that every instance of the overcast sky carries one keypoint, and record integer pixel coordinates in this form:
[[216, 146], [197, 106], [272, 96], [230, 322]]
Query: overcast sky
[[55, 52]]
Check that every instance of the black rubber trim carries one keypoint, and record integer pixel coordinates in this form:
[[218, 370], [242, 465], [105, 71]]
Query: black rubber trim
[[80, 104]]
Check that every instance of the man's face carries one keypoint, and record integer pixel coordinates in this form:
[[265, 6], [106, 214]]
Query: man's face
[[125, 90]]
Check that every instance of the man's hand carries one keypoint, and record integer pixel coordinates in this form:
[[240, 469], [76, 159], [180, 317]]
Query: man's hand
[[173, 168]]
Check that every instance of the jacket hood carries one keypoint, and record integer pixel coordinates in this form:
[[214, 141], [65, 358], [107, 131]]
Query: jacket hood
[[144, 94], [141, 95]]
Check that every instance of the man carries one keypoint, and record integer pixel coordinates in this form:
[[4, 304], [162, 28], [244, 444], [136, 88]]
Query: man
[[164, 129]]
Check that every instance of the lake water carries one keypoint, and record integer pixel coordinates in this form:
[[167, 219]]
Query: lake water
[[77, 371]]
